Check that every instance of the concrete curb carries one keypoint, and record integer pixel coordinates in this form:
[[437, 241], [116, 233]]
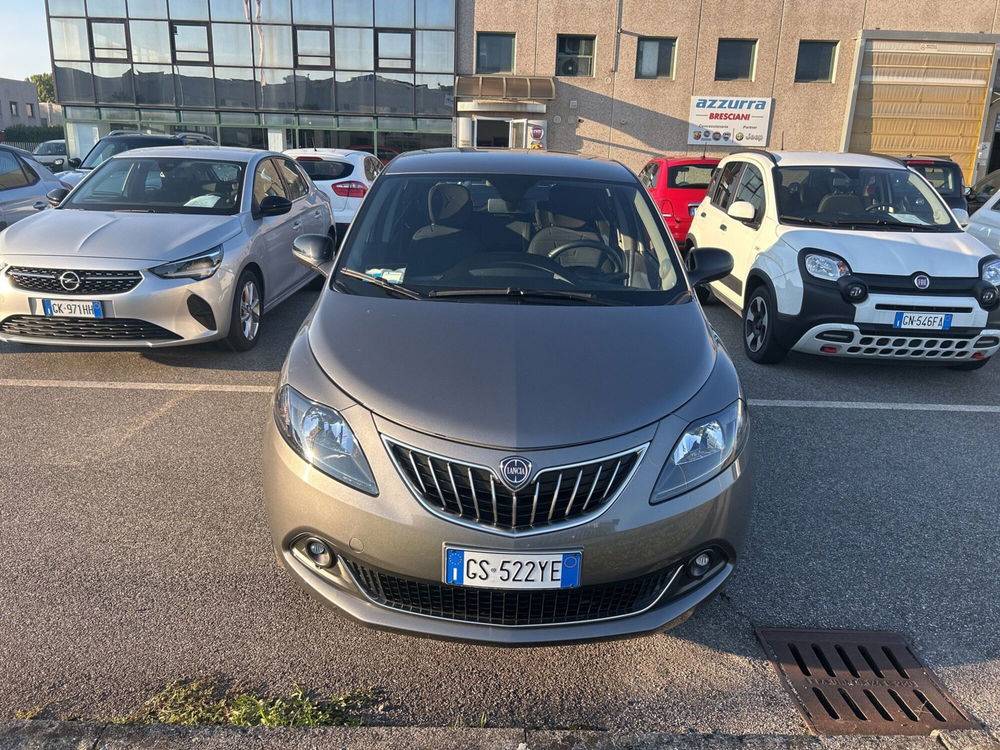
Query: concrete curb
[[64, 735]]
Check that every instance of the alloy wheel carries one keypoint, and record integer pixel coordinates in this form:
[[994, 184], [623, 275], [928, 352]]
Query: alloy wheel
[[755, 325], [250, 310]]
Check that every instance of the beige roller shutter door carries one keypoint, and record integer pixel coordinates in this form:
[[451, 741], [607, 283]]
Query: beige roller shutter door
[[922, 98]]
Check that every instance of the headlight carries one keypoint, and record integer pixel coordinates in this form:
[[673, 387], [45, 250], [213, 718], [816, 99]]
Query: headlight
[[707, 447], [321, 436], [201, 266], [991, 272], [827, 267]]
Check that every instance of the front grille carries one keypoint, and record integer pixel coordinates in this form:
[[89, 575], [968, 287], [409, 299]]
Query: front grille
[[476, 493], [91, 282], [114, 329], [512, 607], [913, 347]]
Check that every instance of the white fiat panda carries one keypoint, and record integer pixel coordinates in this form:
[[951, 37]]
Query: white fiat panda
[[847, 255]]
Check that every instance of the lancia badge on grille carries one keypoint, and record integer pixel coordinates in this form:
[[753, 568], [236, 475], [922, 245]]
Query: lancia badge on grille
[[921, 281], [515, 472], [69, 280]]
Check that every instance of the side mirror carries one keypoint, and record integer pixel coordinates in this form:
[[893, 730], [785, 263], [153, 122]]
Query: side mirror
[[314, 251], [57, 196], [273, 205], [743, 211], [73, 162], [708, 264], [962, 215]]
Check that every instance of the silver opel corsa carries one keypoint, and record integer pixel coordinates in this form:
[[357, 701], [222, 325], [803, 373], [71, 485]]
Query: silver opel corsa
[[507, 420], [159, 247]]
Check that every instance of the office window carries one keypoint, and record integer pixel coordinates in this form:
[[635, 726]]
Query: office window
[[815, 62], [435, 14], [735, 59], [29, 110], [13, 109], [196, 10], [312, 48], [355, 92], [574, 56], [70, 40], [494, 53], [273, 46], [394, 50], [395, 13], [352, 12], [654, 57], [154, 84], [235, 88], [435, 51], [191, 43], [108, 40], [231, 44], [106, 8], [311, 12], [231, 10], [150, 41], [66, 8], [147, 8], [353, 49]]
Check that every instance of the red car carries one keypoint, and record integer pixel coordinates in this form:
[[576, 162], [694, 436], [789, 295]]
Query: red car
[[677, 186]]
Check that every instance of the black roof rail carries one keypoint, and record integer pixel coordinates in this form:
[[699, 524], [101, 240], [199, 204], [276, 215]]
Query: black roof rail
[[759, 151]]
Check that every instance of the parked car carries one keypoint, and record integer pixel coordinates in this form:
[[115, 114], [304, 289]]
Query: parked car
[[125, 140], [946, 177], [982, 191], [160, 247], [523, 478], [985, 223], [677, 187], [848, 255], [345, 176], [24, 183], [52, 154]]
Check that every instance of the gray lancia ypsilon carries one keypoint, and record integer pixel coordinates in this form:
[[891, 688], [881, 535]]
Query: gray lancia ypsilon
[[507, 420]]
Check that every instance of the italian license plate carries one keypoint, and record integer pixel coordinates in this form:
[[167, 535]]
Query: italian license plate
[[62, 308], [936, 321], [512, 570]]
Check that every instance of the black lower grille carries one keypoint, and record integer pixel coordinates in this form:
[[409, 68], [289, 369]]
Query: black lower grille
[[62, 281], [502, 607], [123, 329]]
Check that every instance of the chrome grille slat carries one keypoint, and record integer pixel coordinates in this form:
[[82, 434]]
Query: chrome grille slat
[[558, 496]]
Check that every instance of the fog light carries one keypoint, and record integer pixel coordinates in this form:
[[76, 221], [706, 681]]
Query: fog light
[[829, 349], [852, 288], [319, 553], [978, 355], [700, 564]]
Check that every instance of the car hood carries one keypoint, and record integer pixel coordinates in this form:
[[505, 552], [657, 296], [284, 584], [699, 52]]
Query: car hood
[[895, 253], [73, 176], [511, 375], [111, 234]]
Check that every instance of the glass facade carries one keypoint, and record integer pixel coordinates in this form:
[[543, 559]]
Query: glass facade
[[198, 62]]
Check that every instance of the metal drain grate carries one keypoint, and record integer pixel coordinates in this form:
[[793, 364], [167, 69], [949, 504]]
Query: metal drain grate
[[861, 682]]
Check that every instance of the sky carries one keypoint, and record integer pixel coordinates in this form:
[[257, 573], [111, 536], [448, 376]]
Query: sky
[[24, 40]]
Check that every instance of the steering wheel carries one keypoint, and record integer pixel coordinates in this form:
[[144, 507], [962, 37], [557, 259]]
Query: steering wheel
[[520, 261], [618, 266]]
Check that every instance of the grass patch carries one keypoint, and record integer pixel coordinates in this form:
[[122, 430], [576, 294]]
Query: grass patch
[[29, 713]]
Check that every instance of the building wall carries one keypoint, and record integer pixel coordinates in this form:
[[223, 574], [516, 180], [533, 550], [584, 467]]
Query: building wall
[[619, 116], [22, 93]]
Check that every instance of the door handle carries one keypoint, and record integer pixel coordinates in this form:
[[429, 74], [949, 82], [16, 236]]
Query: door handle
[[723, 227], [296, 225], [39, 205]]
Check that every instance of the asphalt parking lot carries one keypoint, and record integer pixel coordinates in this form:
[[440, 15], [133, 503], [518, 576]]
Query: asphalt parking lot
[[134, 549]]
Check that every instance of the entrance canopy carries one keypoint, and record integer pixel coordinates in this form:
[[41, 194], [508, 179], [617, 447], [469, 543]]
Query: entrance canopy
[[505, 87]]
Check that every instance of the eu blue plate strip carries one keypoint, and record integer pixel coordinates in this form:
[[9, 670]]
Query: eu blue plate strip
[[570, 570], [456, 567]]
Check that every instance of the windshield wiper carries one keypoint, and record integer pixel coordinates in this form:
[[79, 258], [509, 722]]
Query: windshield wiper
[[889, 224], [397, 289], [809, 220], [588, 297]]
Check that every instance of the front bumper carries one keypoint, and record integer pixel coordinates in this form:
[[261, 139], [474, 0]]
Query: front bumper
[[394, 533], [155, 313]]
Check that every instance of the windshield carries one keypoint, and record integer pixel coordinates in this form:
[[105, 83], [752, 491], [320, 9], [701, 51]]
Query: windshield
[[321, 170], [850, 197], [510, 238], [50, 148], [165, 185], [690, 176], [946, 178]]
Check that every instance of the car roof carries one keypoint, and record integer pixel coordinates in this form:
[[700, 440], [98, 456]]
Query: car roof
[[820, 158], [526, 162], [329, 153], [140, 137], [218, 153]]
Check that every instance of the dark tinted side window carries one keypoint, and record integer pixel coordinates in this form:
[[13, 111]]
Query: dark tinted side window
[[726, 184], [295, 181], [946, 178], [324, 171], [12, 173]]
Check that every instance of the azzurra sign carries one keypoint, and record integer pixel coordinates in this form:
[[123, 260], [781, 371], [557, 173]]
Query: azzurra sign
[[729, 121]]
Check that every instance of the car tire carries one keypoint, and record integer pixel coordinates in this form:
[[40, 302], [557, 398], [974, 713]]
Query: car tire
[[247, 309], [760, 321], [972, 364]]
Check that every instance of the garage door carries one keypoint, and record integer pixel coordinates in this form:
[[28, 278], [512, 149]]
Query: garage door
[[922, 98]]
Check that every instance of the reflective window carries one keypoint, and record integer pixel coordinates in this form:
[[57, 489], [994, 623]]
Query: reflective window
[[815, 61], [266, 182], [191, 43], [109, 41], [355, 92], [154, 84], [354, 49], [394, 50], [194, 86], [113, 83], [277, 89], [435, 52], [189, 9], [435, 14], [735, 60], [147, 8], [393, 144], [12, 174], [394, 94], [654, 57], [69, 39], [150, 41], [310, 11], [106, 8], [314, 90], [574, 56], [295, 181], [434, 95], [67, 8], [74, 82], [312, 48], [231, 44], [236, 88], [352, 12], [275, 11], [243, 137], [726, 184], [398, 13], [273, 46], [231, 10], [494, 53]]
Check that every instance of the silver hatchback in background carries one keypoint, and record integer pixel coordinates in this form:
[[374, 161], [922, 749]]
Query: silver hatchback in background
[[159, 247], [507, 420], [24, 183]]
